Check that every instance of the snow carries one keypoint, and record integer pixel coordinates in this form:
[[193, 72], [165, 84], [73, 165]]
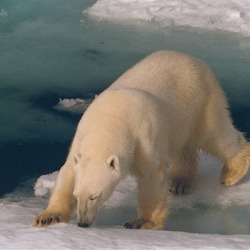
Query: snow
[[45, 184], [70, 237], [226, 15]]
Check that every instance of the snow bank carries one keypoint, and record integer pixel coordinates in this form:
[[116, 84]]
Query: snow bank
[[45, 184], [226, 15]]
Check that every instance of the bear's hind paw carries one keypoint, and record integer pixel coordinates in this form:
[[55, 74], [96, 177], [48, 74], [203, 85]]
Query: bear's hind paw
[[232, 176]]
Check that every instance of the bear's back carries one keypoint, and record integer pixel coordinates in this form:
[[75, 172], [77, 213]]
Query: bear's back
[[169, 75]]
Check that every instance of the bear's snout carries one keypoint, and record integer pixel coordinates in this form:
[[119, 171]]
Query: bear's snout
[[87, 209]]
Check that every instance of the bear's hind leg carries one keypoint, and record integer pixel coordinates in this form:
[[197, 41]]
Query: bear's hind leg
[[236, 166], [233, 150], [152, 208], [184, 172], [224, 141]]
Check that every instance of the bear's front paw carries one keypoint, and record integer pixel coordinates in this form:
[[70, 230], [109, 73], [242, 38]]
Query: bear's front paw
[[180, 185], [48, 218], [141, 224]]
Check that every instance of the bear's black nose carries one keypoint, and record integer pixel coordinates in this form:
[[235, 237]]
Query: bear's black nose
[[83, 224]]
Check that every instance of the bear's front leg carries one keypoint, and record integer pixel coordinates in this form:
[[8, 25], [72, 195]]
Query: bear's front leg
[[152, 208], [61, 201]]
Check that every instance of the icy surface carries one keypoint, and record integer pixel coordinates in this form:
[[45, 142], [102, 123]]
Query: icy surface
[[75, 106], [16, 233], [227, 15]]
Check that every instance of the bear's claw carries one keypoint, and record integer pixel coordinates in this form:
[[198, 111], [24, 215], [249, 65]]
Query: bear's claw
[[133, 225], [177, 190], [180, 186], [140, 224], [47, 219]]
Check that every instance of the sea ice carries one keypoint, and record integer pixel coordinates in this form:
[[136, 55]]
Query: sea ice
[[226, 15]]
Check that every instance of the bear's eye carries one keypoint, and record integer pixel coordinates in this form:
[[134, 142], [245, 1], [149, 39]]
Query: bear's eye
[[93, 197]]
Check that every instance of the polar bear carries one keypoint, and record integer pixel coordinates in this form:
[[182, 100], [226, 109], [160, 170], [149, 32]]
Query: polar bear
[[149, 123]]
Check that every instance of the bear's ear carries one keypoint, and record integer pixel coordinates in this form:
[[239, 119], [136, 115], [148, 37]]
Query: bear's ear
[[113, 162], [77, 158]]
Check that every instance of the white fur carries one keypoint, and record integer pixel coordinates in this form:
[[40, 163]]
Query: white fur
[[158, 113]]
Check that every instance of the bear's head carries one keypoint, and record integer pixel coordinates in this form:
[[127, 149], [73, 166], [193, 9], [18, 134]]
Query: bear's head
[[95, 181]]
